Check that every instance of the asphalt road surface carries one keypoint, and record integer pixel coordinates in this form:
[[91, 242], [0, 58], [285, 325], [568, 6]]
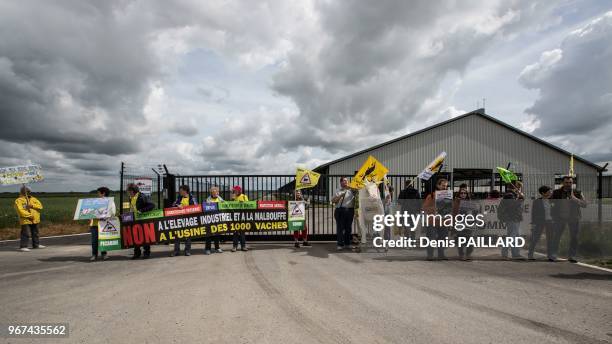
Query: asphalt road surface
[[277, 294]]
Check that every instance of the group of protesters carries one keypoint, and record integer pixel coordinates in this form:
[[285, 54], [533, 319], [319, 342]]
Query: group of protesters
[[553, 211]]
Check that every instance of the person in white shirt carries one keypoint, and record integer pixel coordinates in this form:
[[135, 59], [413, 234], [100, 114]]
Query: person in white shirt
[[344, 200]]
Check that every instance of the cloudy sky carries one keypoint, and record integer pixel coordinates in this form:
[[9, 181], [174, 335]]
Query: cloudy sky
[[263, 86]]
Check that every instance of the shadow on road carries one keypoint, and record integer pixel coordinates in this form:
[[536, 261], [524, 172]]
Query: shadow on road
[[584, 276]]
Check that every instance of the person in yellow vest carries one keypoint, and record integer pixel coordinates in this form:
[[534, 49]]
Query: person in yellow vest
[[93, 226], [184, 199], [28, 210], [238, 196], [139, 203], [213, 198]]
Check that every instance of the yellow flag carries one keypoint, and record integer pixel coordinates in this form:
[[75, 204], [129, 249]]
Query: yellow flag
[[306, 179], [371, 170], [571, 169]]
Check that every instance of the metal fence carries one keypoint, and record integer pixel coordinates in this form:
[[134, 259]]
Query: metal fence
[[320, 213]]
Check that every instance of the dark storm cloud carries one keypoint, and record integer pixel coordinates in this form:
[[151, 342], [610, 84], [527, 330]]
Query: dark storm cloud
[[376, 68], [575, 86]]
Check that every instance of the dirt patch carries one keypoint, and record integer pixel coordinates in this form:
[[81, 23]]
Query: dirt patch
[[47, 230]]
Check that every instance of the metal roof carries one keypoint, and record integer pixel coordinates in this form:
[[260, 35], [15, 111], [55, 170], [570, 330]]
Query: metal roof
[[478, 112]]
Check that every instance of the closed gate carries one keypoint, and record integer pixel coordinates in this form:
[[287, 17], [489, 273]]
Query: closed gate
[[320, 212]]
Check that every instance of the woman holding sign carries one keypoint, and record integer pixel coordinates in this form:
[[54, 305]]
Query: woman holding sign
[[103, 192], [184, 199], [139, 203], [303, 234], [213, 198], [238, 196]]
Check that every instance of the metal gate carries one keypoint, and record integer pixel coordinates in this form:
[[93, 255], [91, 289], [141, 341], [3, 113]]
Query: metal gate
[[320, 212]]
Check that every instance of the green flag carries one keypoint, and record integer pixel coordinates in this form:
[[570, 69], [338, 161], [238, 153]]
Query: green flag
[[506, 175]]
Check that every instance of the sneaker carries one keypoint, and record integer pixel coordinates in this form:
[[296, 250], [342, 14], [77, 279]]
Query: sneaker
[[505, 258], [173, 254], [296, 245], [234, 249], [24, 249], [340, 248], [187, 253], [306, 244], [206, 252], [104, 257], [572, 260], [218, 250], [552, 260], [40, 246], [244, 249], [92, 258]]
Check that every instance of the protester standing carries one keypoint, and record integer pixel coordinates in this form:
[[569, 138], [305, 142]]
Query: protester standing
[[213, 198], [541, 220], [139, 203], [103, 192], [566, 211], [239, 236], [409, 200], [28, 210], [437, 230], [184, 199], [303, 234], [510, 212], [344, 199], [462, 205]]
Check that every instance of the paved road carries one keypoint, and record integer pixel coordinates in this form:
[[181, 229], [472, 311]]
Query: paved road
[[276, 294]]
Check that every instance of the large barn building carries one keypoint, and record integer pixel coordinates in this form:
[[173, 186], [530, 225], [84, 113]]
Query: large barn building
[[476, 144]]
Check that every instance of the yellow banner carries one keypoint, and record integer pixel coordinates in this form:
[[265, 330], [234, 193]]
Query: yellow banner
[[371, 170], [306, 179]]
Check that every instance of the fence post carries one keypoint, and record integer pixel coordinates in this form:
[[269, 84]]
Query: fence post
[[121, 188]]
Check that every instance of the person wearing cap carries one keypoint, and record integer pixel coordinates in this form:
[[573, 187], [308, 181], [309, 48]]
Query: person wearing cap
[[238, 196], [213, 198], [103, 192], [184, 199], [28, 210]]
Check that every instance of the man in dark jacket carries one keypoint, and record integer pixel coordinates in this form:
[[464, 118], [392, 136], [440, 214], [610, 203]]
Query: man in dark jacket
[[139, 203], [541, 219], [566, 211], [510, 212], [409, 200], [184, 199]]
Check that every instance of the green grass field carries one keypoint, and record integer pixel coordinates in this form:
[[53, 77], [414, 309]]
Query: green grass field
[[56, 217]]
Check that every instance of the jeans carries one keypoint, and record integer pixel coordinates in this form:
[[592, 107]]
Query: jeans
[[209, 240], [536, 233], [574, 228], [512, 230], [467, 233], [94, 241], [344, 225], [239, 236], [177, 245], [436, 233], [25, 236]]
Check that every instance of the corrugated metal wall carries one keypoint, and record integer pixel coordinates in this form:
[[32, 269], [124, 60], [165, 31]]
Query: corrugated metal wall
[[471, 142]]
